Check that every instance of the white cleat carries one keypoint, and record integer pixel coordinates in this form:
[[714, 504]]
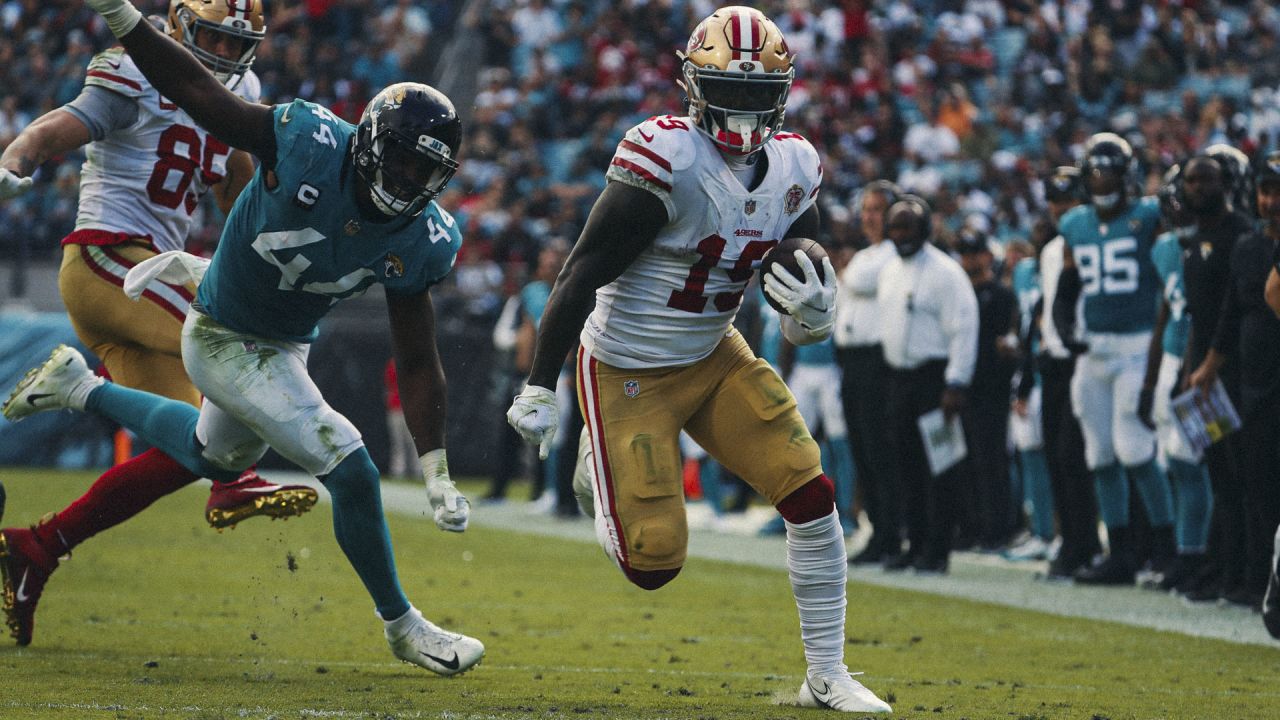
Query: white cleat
[[840, 692], [440, 651], [583, 488], [51, 386]]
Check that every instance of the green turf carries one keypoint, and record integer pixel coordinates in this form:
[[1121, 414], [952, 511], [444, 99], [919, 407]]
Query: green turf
[[162, 617]]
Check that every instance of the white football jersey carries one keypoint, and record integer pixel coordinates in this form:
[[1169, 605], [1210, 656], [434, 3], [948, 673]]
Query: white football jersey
[[673, 305], [146, 179]]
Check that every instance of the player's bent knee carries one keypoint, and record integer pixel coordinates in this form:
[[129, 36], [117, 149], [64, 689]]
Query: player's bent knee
[[651, 579], [655, 544], [812, 501]]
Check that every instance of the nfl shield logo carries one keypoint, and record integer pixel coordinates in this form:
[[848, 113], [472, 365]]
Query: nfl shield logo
[[749, 207], [631, 388]]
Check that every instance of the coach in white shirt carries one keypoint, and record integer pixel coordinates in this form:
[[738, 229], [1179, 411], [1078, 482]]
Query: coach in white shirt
[[929, 331], [863, 389]]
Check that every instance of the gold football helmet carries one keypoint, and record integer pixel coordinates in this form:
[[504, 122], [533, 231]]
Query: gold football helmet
[[241, 19], [737, 72]]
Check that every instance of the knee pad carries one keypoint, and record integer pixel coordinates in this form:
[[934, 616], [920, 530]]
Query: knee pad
[[811, 501], [233, 456], [656, 543]]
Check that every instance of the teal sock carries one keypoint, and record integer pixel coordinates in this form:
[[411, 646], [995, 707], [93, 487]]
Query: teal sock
[[1113, 495], [1153, 488], [1195, 505], [840, 460], [361, 530], [167, 424], [1036, 492]]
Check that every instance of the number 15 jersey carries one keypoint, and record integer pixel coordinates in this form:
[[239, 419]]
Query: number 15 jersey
[[146, 179], [675, 302]]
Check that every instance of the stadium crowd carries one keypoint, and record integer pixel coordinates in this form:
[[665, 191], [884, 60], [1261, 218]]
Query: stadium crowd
[[970, 104]]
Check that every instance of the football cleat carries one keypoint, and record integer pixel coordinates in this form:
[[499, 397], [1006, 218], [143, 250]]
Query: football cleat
[[438, 650], [51, 385], [25, 566], [840, 692], [250, 496], [583, 487], [1110, 571]]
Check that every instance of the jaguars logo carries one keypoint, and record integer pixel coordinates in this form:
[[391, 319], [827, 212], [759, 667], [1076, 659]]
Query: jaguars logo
[[392, 266]]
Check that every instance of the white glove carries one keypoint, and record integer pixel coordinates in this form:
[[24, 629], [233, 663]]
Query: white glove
[[174, 267], [450, 507], [121, 16], [12, 184], [535, 416], [811, 301]]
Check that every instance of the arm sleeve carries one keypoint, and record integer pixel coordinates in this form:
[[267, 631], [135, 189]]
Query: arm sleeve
[[1064, 303], [102, 110], [1027, 364], [960, 323]]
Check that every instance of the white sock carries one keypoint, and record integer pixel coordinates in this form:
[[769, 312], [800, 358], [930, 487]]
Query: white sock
[[818, 569], [79, 395], [398, 627]]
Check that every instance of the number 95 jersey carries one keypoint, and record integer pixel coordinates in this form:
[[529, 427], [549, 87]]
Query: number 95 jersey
[[146, 179], [1119, 283], [676, 301]]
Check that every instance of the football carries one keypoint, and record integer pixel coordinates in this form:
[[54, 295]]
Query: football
[[785, 255]]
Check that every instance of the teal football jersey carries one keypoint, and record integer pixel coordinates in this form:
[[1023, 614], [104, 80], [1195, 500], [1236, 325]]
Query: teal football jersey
[[1167, 257], [288, 254], [1026, 286], [1120, 287], [533, 299], [819, 353]]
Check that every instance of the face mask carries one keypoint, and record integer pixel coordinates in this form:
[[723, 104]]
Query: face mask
[[1106, 202]]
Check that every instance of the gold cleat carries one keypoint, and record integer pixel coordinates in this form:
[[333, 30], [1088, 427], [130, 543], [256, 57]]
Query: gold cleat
[[251, 496]]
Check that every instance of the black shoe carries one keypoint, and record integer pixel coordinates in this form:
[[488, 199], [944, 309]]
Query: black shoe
[[1271, 604], [872, 553], [901, 561], [1112, 570], [1210, 592], [1206, 576], [1244, 597], [925, 565], [1183, 568], [1065, 567]]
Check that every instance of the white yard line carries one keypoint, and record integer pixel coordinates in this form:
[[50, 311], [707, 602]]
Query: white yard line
[[975, 577]]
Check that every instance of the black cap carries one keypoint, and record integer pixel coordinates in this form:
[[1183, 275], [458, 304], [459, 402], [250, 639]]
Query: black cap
[[970, 241], [1266, 168]]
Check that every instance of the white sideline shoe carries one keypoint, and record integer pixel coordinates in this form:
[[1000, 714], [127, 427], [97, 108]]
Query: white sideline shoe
[[52, 385], [840, 692], [440, 651]]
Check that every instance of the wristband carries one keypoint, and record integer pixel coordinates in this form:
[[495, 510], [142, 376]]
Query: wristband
[[121, 17], [434, 466]]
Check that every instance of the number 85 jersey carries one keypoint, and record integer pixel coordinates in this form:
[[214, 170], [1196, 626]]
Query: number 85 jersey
[[146, 179], [676, 301]]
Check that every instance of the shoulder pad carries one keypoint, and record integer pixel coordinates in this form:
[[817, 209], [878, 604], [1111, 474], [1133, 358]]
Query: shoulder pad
[[652, 152], [114, 70], [249, 87], [804, 157]]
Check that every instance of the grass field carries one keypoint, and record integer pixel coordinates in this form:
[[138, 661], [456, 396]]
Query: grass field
[[162, 617]]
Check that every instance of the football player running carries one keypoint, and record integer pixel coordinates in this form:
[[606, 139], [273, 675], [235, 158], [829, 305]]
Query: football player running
[[692, 205], [148, 165], [333, 208], [1108, 261]]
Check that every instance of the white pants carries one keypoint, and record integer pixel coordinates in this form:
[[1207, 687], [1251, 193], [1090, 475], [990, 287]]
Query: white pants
[[1025, 432], [258, 393], [1169, 438], [817, 391], [1104, 396]]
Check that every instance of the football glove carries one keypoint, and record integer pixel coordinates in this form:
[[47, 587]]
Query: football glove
[[535, 416], [12, 184], [810, 301], [449, 506]]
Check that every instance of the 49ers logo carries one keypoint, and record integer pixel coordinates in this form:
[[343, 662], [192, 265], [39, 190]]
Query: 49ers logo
[[698, 38]]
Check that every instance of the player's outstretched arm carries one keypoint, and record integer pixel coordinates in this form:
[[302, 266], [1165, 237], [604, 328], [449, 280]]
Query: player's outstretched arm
[[52, 134], [624, 221], [423, 393], [180, 77]]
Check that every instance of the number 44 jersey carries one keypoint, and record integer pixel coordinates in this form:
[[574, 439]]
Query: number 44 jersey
[[675, 302], [288, 253], [146, 179]]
